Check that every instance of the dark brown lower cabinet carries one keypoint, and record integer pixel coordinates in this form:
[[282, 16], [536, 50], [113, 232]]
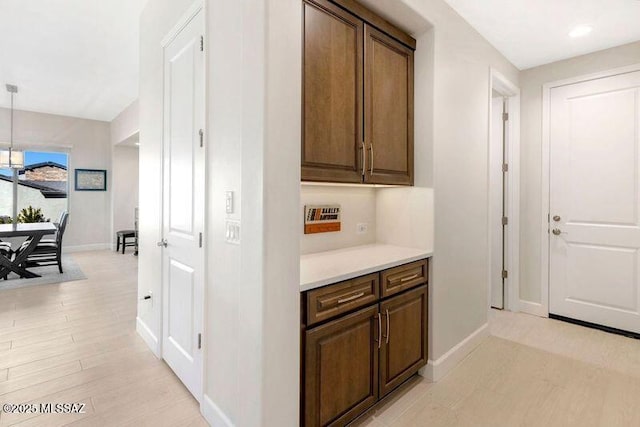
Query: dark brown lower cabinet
[[341, 369], [353, 361], [404, 347]]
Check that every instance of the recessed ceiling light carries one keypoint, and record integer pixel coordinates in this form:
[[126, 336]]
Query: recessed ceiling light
[[580, 31]]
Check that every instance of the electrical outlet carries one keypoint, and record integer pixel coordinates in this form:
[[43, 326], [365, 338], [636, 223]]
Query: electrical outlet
[[362, 228]]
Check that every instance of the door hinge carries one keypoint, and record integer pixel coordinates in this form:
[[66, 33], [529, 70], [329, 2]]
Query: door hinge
[[201, 43], [505, 274], [505, 220], [505, 167], [200, 239], [199, 341], [505, 117], [201, 133]]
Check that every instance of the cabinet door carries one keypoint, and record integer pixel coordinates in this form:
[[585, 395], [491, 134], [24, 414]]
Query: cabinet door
[[341, 368], [404, 346], [388, 109], [332, 94]]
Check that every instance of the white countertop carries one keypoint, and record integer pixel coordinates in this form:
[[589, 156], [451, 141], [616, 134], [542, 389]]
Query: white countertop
[[324, 268]]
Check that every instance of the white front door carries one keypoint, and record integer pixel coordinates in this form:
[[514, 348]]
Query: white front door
[[184, 205], [594, 223]]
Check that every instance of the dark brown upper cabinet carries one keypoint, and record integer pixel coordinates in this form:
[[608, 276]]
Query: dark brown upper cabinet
[[357, 96], [332, 94], [388, 106]]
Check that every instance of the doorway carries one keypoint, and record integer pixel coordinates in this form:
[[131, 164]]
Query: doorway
[[183, 217], [504, 112], [593, 231]]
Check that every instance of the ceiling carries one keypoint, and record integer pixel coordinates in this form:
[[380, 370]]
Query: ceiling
[[535, 32], [76, 58]]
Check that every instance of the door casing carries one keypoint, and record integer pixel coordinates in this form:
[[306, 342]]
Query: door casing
[[502, 85]]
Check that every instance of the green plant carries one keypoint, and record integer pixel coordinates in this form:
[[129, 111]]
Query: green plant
[[31, 214], [5, 219]]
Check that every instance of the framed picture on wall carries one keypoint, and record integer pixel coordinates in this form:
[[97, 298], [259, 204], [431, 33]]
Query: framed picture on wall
[[91, 180]]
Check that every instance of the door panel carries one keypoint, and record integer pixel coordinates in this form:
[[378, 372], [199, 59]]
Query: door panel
[[180, 322], [594, 189], [404, 348], [183, 200], [388, 109], [341, 369], [332, 95]]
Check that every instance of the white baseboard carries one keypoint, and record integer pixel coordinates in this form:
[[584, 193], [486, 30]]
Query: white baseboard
[[213, 414], [152, 341], [534, 308], [436, 370], [84, 248]]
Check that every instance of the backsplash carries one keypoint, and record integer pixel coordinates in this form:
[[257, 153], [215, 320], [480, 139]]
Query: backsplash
[[358, 206]]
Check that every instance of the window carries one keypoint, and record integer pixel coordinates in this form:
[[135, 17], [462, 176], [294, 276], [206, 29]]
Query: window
[[42, 186]]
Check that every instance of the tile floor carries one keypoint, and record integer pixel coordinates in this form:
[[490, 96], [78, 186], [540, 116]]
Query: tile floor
[[76, 342], [529, 372]]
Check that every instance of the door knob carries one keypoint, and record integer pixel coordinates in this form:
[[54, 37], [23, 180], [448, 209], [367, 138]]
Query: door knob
[[556, 218], [163, 243], [556, 231]]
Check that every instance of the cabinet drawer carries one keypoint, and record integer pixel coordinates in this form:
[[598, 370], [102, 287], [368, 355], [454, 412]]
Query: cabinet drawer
[[403, 277], [330, 301]]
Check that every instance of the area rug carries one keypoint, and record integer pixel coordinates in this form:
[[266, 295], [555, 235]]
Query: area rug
[[49, 274]]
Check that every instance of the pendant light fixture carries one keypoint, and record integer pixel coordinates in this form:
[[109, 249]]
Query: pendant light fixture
[[11, 158]]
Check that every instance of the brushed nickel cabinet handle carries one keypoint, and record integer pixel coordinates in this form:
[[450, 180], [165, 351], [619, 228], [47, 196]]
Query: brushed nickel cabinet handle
[[371, 157], [379, 330], [363, 158], [388, 327], [351, 298], [406, 279]]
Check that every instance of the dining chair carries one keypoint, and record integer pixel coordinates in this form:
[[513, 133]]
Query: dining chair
[[48, 251], [5, 251]]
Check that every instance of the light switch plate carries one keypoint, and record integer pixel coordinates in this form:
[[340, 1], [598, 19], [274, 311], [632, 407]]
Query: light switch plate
[[362, 228], [232, 232], [228, 201]]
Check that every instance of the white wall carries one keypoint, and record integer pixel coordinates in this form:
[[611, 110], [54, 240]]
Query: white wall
[[531, 82], [126, 124], [88, 145], [253, 137], [404, 217], [358, 205], [124, 187]]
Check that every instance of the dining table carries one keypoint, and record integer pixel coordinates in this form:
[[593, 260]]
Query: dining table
[[33, 232]]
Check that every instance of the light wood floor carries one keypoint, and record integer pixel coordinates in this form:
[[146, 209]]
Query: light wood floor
[[530, 372], [76, 342]]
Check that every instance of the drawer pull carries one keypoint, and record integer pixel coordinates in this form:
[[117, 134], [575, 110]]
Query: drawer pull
[[406, 279], [351, 298]]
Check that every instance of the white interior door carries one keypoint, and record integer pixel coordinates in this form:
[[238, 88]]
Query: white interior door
[[497, 203], [184, 205], [594, 201]]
